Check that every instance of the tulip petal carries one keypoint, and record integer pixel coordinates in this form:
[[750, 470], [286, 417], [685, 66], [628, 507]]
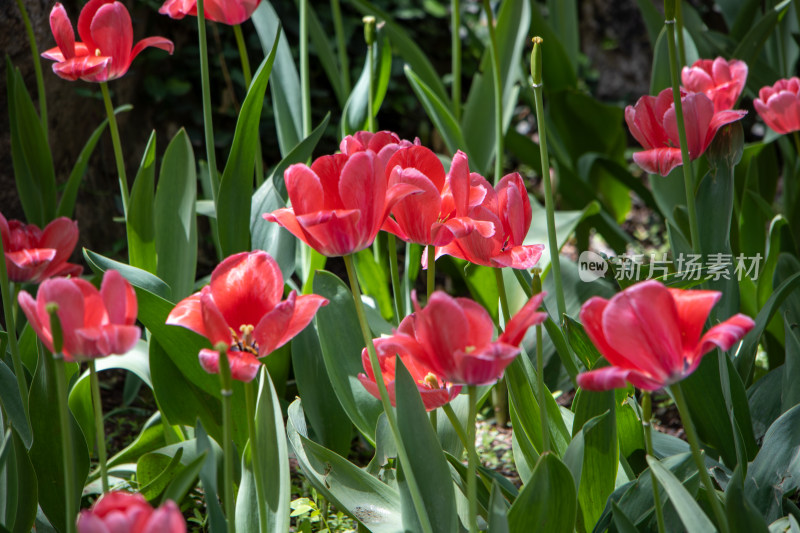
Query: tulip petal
[[30, 308], [244, 366], [112, 32], [723, 335], [693, 309], [305, 308], [119, 298], [29, 265], [62, 31], [522, 321], [177, 9], [487, 366], [421, 159], [85, 22], [305, 189], [217, 329], [613, 377], [270, 329], [659, 161], [286, 218], [152, 42], [188, 314]]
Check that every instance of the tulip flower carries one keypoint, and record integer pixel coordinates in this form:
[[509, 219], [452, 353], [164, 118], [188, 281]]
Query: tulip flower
[[432, 217], [94, 323], [230, 12], [33, 255], [339, 203], [434, 391], [452, 337], [720, 80], [779, 105], [508, 208], [651, 335], [653, 123], [123, 512], [106, 50], [241, 307]]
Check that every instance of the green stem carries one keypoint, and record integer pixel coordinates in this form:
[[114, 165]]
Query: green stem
[[416, 495], [501, 291], [37, 66], [647, 414], [688, 180], [341, 47], [456, 423], [226, 391], [472, 459], [679, 23], [250, 403], [112, 126], [68, 453], [305, 82], [697, 454], [500, 391], [540, 386], [11, 331], [397, 289], [431, 281], [99, 428], [434, 420], [498, 93], [208, 125], [248, 78], [549, 198], [371, 94], [455, 45]]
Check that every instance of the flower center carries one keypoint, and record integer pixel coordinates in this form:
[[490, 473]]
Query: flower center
[[430, 381], [243, 341], [97, 52]]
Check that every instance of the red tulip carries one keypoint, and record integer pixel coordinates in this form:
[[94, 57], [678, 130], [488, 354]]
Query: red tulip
[[779, 105], [508, 208], [432, 217], [720, 80], [340, 202], [452, 337], [230, 12], [242, 308], [123, 512], [34, 255], [653, 122], [94, 323], [434, 391], [107, 49], [651, 335]]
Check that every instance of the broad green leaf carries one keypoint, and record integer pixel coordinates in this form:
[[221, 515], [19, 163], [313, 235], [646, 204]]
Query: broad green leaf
[[208, 479], [623, 523], [556, 72], [751, 44], [176, 238], [354, 115], [18, 485], [547, 502], [154, 471], [374, 281], [566, 223], [659, 76], [136, 276], [299, 154], [341, 342], [653, 20], [581, 343], [437, 111], [270, 237], [564, 20], [141, 223], [151, 437], [325, 54], [426, 459], [498, 511], [764, 397], [690, 512], [743, 517], [11, 401], [236, 187], [184, 481]]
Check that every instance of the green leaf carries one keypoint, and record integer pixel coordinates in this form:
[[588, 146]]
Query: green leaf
[[581, 343], [18, 485], [341, 342], [743, 517], [184, 481], [622, 521], [176, 238], [751, 44], [564, 20], [208, 479], [154, 471], [690, 512], [547, 502], [438, 111], [151, 437], [426, 459], [236, 186], [558, 72], [12, 404], [136, 276], [354, 115], [653, 20], [374, 281], [498, 511], [566, 223], [374, 504], [299, 154], [269, 237], [660, 77], [325, 54], [141, 223]]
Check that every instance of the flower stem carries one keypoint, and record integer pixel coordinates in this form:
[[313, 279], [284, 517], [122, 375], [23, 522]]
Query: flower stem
[[413, 486], [250, 403], [37, 66], [500, 391], [112, 126], [341, 46], [498, 93], [472, 459], [67, 450], [208, 125], [11, 331], [226, 392], [397, 289], [248, 78], [536, 288], [455, 45], [305, 83], [688, 179], [697, 454], [99, 428], [456, 423], [431, 281], [549, 199], [647, 413], [679, 23], [369, 37]]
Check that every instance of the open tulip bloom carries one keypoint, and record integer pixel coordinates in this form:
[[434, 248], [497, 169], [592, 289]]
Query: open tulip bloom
[[106, 50], [651, 335], [228, 12], [779, 105], [242, 308], [123, 512], [721, 80], [33, 255]]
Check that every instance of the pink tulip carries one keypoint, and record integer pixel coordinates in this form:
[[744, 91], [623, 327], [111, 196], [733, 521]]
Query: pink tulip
[[94, 323], [33, 255], [720, 80], [653, 122], [123, 512], [779, 105], [230, 12], [107, 49], [242, 308], [651, 335]]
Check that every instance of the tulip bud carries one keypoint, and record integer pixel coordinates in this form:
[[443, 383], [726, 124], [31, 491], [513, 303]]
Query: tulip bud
[[369, 29], [727, 146], [55, 327], [536, 281], [536, 60]]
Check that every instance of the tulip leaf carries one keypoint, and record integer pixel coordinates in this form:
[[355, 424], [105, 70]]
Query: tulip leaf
[[498, 511], [141, 223], [660, 75], [623, 523], [208, 479], [299, 154], [354, 115], [154, 471], [692, 516], [425, 456], [751, 44], [547, 502], [18, 485], [326, 55], [743, 517], [247, 501], [236, 186], [151, 437], [342, 342], [11, 401], [373, 503], [438, 112], [558, 72], [285, 88], [185, 480], [136, 276]]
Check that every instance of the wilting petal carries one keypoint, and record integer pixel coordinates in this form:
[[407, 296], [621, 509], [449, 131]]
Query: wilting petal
[[521, 257]]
